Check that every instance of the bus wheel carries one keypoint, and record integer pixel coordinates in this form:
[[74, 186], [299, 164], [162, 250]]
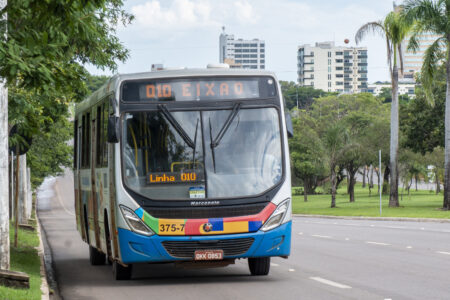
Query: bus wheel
[[259, 265], [120, 272], [96, 257]]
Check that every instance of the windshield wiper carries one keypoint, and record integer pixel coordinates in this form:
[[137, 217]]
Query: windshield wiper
[[195, 143], [212, 148], [225, 126], [176, 125]]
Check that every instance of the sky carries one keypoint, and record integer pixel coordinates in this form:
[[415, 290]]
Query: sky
[[185, 33]]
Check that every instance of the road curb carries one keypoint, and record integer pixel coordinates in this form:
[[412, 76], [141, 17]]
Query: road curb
[[430, 220], [44, 284]]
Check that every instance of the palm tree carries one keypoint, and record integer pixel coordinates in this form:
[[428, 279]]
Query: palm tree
[[394, 29], [434, 17]]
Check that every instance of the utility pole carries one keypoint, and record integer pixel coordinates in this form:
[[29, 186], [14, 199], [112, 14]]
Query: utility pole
[[4, 180]]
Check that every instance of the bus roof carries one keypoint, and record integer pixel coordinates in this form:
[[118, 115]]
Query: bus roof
[[113, 84]]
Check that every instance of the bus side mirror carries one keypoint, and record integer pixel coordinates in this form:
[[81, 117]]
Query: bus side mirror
[[113, 129], [289, 127]]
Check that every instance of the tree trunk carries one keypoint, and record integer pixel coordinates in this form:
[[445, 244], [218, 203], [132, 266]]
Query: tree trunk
[[23, 189], [446, 203], [371, 177], [386, 180], [438, 184], [351, 186], [364, 177], [393, 159], [4, 192], [305, 190], [348, 181], [378, 179], [416, 179], [333, 187]]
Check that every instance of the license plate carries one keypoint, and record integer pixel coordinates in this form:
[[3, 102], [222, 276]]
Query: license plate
[[208, 255]]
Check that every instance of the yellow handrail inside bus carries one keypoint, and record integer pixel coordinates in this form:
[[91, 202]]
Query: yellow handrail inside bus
[[146, 132], [135, 145], [189, 163]]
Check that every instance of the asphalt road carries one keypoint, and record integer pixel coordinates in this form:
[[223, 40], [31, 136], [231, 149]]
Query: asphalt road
[[331, 259]]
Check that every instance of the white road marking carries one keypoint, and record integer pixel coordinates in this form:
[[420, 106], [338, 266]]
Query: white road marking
[[443, 252], [422, 228], [291, 270], [331, 283], [408, 247], [274, 264], [300, 233], [321, 236], [395, 227], [372, 225], [377, 243], [347, 239]]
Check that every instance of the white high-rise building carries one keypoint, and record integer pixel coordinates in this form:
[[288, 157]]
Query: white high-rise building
[[331, 68], [412, 61], [246, 54]]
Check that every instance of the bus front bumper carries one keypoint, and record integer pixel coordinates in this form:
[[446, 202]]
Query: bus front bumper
[[136, 248]]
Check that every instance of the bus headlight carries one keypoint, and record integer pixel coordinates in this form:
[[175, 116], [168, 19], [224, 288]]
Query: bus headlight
[[134, 222], [277, 216]]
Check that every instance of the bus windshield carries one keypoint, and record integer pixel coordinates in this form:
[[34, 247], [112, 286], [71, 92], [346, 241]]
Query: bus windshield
[[182, 155]]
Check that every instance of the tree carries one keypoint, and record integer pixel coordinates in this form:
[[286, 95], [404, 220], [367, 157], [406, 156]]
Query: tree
[[335, 140], [307, 154], [4, 188], [434, 16], [43, 47], [303, 95], [422, 123], [50, 152], [395, 29], [436, 159]]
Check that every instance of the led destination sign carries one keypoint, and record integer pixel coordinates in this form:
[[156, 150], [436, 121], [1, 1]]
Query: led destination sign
[[198, 89], [175, 177]]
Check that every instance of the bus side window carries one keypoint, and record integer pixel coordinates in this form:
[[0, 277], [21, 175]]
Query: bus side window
[[98, 140], [83, 142], [75, 144], [88, 140], [101, 138], [105, 133]]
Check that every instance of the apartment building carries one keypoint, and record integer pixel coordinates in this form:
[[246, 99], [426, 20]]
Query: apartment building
[[332, 68], [240, 53], [404, 88]]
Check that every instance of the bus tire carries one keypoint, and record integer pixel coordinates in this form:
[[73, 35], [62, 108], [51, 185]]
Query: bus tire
[[259, 265], [120, 272], [96, 257]]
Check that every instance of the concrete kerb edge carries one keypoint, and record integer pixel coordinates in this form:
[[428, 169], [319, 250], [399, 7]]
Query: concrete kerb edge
[[44, 283], [375, 218]]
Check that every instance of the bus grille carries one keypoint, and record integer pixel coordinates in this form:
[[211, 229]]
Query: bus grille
[[232, 247], [204, 212]]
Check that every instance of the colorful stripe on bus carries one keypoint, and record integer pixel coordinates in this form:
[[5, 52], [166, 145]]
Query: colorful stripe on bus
[[209, 226]]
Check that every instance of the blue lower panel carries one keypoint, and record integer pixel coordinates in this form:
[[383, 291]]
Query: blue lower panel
[[136, 248]]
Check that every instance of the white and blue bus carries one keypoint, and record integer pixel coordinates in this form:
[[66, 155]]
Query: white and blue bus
[[188, 166]]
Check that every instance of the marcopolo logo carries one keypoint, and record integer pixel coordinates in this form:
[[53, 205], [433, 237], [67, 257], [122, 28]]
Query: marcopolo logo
[[207, 227], [204, 203]]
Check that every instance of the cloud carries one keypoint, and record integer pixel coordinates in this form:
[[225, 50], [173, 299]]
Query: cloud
[[191, 14], [245, 12]]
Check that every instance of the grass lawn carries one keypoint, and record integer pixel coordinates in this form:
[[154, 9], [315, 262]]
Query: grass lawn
[[420, 204], [24, 258]]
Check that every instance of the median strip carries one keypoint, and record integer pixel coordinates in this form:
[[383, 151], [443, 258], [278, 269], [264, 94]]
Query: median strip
[[331, 283]]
